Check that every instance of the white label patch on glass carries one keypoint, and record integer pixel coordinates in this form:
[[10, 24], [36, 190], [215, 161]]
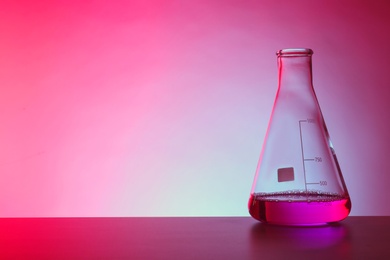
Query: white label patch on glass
[[285, 174]]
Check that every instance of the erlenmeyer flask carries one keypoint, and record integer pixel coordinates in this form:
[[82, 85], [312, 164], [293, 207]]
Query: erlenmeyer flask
[[298, 179]]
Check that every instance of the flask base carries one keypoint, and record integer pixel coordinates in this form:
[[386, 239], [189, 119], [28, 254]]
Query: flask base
[[298, 208]]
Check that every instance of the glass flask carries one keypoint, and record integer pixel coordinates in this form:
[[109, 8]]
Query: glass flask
[[298, 180]]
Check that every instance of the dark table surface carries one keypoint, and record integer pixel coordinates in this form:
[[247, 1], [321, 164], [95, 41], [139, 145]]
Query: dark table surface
[[190, 238]]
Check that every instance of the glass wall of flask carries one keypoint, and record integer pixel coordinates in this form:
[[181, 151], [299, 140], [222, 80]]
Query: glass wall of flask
[[298, 180]]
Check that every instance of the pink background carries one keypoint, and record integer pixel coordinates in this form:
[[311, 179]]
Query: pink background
[[159, 108]]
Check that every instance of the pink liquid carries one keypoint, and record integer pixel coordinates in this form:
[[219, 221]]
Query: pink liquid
[[299, 208]]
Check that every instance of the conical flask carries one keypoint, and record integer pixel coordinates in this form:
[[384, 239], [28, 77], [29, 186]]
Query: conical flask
[[298, 179]]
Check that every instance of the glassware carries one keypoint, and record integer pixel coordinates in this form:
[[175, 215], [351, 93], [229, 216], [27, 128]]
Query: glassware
[[298, 180]]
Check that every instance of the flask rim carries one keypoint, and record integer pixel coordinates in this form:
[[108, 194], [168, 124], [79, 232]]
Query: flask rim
[[295, 52]]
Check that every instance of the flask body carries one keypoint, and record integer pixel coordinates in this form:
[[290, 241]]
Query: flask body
[[298, 180]]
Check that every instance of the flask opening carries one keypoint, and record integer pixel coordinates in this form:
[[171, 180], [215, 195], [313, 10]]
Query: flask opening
[[294, 52]]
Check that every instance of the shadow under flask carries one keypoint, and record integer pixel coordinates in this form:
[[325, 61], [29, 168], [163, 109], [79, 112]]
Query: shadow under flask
[[298, 180]]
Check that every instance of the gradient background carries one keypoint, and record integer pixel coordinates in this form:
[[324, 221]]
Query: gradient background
[[159, 108]]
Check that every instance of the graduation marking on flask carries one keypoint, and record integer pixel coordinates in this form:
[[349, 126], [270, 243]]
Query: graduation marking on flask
[[316, 159]]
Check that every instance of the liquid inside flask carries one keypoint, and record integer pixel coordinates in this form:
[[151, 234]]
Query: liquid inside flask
[[298, 180]]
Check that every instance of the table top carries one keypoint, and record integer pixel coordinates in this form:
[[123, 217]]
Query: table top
[[190, 238]]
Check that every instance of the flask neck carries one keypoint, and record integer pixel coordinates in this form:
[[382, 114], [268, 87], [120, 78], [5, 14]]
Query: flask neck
[[295, 71]]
